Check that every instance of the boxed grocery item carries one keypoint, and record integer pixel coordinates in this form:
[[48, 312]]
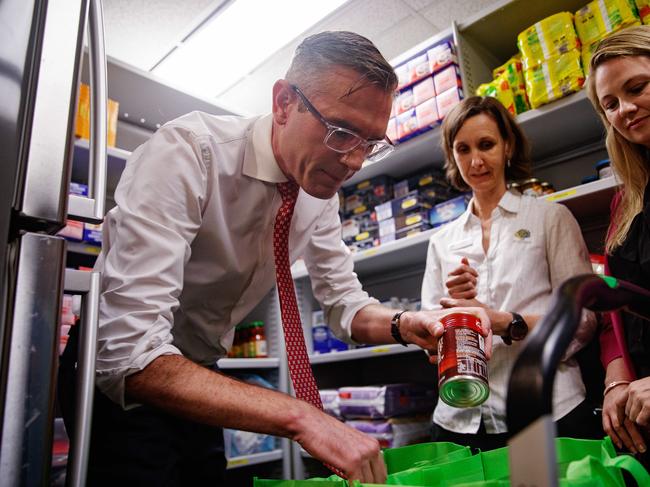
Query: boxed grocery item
[[644, 10], [73, 230], [412, 202], [441, 55], [552, 36], [396, 224], [418, 68], [93, 234], [413, 229], [448, 100], [426, 114], [423, 91], [405, 101], [365, 240], [554, 78], [330, 400], [401, 188], [448, 211], [407, 124], [599, 18], [403, 76], [447, 79], [82, 125], [394, 432], [78, 188], [386, 400]]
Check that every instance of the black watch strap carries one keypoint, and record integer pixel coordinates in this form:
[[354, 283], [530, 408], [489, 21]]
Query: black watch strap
[[394, 328], [517, 329]]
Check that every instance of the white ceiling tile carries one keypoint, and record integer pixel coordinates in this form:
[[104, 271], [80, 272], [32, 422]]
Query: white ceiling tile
[[141, 32], [418, 5], [443, 12], [404, 35]]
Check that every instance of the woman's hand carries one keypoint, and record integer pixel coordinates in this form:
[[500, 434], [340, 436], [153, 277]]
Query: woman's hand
[[462, 281], [637, 407], [617, 425]]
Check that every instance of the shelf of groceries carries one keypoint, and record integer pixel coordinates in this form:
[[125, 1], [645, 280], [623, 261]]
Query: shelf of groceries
[[254, 459], [582, 200], [362, 353]]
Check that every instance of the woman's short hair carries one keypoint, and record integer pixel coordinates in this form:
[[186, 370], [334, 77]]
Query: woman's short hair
[[518, 153], [319, 53], [629, 160]]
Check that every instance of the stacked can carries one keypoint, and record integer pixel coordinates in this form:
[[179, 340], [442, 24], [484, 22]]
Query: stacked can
[[462, 362]]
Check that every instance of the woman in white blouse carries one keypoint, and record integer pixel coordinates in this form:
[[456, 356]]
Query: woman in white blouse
[[507, 253]]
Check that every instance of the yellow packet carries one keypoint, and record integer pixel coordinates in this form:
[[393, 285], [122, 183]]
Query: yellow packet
[[644, 10], [499, 89], [550, 37], [586, 52], [599, 18], [554, 78], [500, 69]]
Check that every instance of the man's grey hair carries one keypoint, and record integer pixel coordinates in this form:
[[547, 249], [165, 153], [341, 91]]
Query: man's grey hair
[[320, 53]]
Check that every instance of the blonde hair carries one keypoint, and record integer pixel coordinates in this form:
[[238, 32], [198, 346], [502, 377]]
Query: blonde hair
[[629, 160]]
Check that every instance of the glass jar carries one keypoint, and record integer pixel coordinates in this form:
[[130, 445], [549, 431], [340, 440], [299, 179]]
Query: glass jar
[[547, 188], [531, 187], [258, 340]]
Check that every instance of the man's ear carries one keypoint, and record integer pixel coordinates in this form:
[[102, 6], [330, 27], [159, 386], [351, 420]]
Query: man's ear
[[282, 98]]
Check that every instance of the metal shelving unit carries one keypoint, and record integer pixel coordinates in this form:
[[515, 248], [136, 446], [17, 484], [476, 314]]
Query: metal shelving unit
[[248, 363], [254, 459], [362, 353]]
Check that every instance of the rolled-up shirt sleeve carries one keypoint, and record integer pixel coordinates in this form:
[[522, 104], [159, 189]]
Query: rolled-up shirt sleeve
[[147, 240], [568, 257], [331, 269]]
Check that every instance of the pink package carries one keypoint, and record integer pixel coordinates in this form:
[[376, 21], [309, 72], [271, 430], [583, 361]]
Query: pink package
[[391, 129], [418, 68], [423, 91], [403, 76], [447, 78], [426, 113], [404, 101], [406, 124], [441, 56], [448, 100]]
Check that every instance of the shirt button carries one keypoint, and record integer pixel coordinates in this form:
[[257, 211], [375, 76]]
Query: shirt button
[[155, 342]]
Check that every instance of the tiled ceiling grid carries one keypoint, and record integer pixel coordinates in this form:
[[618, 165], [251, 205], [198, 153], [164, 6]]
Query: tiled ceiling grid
[[141, 32]]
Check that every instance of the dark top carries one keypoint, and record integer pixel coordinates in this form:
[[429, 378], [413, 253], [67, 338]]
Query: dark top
[[631, 262]]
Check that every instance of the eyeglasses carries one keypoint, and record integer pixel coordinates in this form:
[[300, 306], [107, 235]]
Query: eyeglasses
[[342, 140]]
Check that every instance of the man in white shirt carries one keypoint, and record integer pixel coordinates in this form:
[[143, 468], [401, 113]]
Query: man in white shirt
[[188, 254]]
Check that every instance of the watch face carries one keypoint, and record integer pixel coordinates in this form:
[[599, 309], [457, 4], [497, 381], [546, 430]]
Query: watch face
[[518, 329]]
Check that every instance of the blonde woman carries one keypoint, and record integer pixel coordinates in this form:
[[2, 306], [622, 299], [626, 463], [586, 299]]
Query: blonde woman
[[619, 88]]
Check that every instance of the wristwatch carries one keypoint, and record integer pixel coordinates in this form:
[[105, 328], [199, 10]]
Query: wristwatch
[[394, 329], [517, 329]]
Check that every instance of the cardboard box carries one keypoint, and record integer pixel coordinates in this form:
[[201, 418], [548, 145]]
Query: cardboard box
[[426, 114], [404, 101], [418, 68], [441, 55], [82, 125], [447, 79], [406, 124], [448, 100], [448, 210], [424, 90]]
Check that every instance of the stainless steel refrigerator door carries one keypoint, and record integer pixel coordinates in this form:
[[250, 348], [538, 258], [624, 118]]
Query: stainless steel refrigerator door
[[35, 272], [42, 198], [91, 209]]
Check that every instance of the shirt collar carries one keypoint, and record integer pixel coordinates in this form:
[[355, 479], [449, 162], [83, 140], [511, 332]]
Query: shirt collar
[[259, 161], [509, 202]]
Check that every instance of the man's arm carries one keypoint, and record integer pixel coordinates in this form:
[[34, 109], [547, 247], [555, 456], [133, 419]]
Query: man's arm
[[181, 387]]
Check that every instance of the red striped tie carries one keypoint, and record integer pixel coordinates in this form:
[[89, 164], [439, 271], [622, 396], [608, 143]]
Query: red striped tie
[[298, 361]]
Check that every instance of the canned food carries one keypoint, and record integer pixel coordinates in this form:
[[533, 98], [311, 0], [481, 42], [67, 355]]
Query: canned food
[[462, 363]]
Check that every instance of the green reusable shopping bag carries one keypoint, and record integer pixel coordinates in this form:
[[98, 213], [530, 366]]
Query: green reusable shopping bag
[[450, 473], [422, 454], [299, 483]]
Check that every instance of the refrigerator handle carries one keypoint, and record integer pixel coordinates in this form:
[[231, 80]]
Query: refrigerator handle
[[91, 209], [87, 284]]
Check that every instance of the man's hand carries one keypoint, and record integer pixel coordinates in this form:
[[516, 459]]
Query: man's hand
[[462, 281], [616, 424], [355, 454], [423, 328], [637, 407]]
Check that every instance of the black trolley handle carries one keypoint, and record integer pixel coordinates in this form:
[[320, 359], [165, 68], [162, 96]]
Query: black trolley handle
[[529, 406], [530, 390]]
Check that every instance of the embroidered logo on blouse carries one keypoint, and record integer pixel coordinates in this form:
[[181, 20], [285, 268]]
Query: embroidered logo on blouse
[[522, 234]]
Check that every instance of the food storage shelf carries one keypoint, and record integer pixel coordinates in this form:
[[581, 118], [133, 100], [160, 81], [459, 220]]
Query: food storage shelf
[[384, 258], [248, 363], [587, 200], [254, 459], [361, 353]]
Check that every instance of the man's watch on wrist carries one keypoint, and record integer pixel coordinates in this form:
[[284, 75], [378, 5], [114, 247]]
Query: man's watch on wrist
[[517, 329], [394, 328]]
